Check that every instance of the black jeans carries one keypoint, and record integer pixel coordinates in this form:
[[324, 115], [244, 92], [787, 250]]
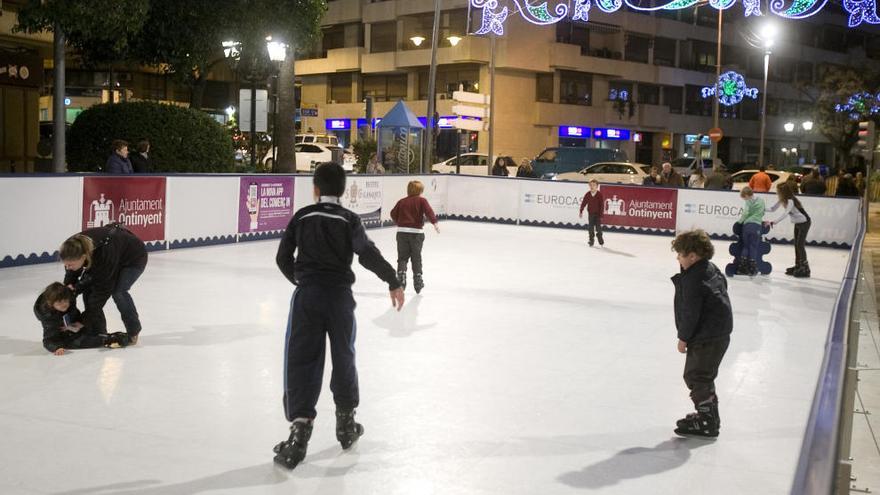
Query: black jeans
[[126, 278], [317, 312], [701, 367], [410, 246], [595, 227], [800, 239]]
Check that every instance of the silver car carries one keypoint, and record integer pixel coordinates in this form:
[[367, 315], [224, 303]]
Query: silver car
[[610, 172]]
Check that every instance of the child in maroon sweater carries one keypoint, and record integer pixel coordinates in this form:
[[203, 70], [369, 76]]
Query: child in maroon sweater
[[594, 202], [409, 214]]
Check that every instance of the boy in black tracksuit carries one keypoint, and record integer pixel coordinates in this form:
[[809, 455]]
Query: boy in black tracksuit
[[704, 321], [325, 236], [62, 323]]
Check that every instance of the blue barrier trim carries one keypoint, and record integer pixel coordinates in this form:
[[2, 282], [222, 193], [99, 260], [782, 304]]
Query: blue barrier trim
[[817, 466]]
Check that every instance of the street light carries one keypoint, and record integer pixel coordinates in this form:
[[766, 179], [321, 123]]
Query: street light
[[768, 38], [277, 54], [417, 40], [789, 126], [454, 40], [800, 130]]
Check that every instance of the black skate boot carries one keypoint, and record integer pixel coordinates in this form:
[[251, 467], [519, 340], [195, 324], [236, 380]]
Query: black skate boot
[[293, 450], [753, 268], [347, 429], [743, 267], [705, 423], [803, 271], [601, 240], [790, 270], [401, 277], [591, 241], [418, 283], [117, 339]]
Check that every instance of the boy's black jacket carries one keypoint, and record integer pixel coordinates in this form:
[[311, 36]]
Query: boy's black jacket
[[702, 306], [53, 321], [325, 237]]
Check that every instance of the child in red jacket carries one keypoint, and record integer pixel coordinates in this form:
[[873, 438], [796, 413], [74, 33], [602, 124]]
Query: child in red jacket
[[595, 204], [409, 215]]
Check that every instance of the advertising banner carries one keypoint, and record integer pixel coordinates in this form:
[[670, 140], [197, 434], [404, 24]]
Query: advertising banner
[[834, 220], [139, 203], [264, 204], [364, 197], [624, 206]]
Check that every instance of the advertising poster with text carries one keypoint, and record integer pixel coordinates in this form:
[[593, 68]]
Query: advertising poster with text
[[364, 197], [265, 203], [139, 203]]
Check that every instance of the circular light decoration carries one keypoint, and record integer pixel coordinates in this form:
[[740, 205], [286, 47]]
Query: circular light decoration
[[731, 88]]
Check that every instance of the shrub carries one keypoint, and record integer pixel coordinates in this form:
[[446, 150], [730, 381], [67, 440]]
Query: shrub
[[182, 139]]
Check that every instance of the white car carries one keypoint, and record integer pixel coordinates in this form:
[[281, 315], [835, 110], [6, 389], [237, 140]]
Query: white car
[[471, 164], [317, 138], [610, 172], [310, 154], [741, 178]]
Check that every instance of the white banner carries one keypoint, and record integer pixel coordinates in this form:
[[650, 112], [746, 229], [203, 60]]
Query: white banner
[[552, 202], [484, 197], [834, 220], [200, 207]]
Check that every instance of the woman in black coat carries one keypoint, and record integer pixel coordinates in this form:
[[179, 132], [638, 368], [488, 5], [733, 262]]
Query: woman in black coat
[[105, 262]]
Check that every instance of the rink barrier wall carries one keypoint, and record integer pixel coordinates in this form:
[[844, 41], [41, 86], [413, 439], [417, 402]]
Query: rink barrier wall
[[208, 209], [823, 462]]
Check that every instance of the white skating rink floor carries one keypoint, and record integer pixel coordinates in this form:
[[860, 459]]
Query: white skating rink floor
[[530, 364]]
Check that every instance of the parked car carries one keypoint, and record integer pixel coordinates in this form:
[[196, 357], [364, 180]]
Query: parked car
[[610, 172], [684, 165], [741, 178], [317, 138], [471, 164], [310, 154], [554, 161]]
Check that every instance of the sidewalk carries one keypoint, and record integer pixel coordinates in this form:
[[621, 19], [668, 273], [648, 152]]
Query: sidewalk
[[866, 421]]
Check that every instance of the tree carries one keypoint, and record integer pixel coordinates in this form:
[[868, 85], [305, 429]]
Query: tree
[[833, 87], [101, 31]]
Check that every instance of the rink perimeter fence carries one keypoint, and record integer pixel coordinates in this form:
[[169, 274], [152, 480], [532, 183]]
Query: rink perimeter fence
[[179, 211]]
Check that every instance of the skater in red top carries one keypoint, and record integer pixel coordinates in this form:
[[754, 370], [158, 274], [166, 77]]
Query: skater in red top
[[595, 204], [409, 215]]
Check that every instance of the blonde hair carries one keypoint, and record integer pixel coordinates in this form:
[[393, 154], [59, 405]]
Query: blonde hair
[[77, 246], [746, 192], [414, 188]]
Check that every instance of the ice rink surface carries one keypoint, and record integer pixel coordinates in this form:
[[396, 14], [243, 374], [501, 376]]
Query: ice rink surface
[[530, 364]]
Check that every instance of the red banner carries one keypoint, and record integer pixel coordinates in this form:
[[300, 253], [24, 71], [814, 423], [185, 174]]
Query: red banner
[[139, 203], [642, 207]]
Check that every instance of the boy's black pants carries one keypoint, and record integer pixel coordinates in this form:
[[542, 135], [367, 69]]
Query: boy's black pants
[[595, 227], [409, 246], [800, 239], [318, 312], [701, 367]]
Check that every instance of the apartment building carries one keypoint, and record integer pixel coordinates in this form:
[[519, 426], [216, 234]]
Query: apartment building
[[630, 80]]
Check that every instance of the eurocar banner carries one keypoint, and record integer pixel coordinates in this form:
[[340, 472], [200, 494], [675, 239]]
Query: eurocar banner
[[834, 220], [624, 206], [264, 203], [137, 202]]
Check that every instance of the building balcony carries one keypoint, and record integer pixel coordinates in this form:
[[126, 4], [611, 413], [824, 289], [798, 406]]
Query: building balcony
[[337, 60], [342, 11]]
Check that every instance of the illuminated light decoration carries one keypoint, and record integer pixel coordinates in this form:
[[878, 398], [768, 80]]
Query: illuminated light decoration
[[609, 6], [622, 95], [673, 5], [861, 11], [753, 7], [492, 22], [581, 10], [540, 14], [799, 9], [860, 106], [731, 88], [721, 4]]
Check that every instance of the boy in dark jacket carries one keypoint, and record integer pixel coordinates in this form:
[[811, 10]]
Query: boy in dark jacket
[[409, 215], [62, 323], [325, 236], [704, 321], [595, 204]]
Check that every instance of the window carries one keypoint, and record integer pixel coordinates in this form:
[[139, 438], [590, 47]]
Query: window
[[384, 87], [334, 37], [575, 87], [340, 88], [649, 94], [804, 72], [547, 156], [574, 33], [695, 104], [383, 37], [637, 48], [544, 87], [833, 39], [449, 78], [664, 52], [704, 55], [672, 98]]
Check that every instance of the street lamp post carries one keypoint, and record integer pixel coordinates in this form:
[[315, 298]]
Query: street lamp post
[[277, 54], [799, 130], [427, 153], [768, 33]]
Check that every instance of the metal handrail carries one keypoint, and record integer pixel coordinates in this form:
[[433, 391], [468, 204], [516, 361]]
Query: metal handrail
[[817, 466]]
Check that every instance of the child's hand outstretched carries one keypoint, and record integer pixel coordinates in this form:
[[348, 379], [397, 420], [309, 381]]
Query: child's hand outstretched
[[59, 352], [682, 346], [397, 298]]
